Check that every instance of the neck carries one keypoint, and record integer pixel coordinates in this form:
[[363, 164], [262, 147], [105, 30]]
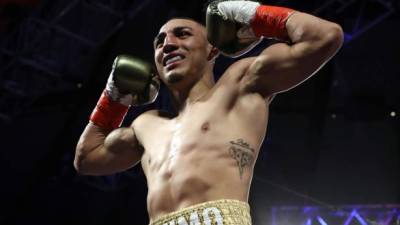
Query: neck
[[185, 97]]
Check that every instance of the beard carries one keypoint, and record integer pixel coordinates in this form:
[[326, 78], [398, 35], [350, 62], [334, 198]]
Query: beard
[[174, 78]]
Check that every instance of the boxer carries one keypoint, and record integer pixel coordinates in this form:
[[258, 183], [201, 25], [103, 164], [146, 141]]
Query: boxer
[[199, 162]]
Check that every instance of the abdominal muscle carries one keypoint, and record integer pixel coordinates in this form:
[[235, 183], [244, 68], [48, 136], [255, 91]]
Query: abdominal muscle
[[193, 177], [195, 158]]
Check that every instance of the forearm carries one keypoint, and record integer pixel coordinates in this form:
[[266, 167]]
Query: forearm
[[311, 43], [99, 152], [258, 21], [92, 139], [309, 34], [106, 117], [307, 42], [104, 147]]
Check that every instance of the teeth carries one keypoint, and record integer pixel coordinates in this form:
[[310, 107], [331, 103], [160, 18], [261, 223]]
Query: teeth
[[174, 59]]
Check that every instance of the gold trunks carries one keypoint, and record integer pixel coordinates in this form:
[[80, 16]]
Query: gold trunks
[[219, 212]]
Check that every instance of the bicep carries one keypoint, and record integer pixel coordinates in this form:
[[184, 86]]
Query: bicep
[[119, 151], [278, 70], [282, 66]]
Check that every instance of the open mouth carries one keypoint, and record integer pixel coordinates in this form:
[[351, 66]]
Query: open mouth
[[172, 58]]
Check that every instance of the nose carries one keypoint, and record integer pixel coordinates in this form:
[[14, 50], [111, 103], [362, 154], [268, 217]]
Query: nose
[[170, 43]]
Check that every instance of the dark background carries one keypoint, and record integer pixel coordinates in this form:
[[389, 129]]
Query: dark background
[[334, 140]]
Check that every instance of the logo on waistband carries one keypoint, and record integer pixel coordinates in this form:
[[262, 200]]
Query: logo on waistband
[[209, 216]]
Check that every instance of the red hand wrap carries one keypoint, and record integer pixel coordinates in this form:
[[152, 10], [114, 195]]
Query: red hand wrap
[[270, 21], [108, 114]]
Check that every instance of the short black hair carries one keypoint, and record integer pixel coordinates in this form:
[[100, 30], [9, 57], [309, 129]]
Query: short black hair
[[196, 20]]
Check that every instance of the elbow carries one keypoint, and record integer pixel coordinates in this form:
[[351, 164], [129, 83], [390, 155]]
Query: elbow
[[334, 38], [79, 160], [80, 167]]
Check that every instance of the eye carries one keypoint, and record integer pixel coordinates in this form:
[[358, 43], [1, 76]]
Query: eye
[[158, 42], [183, 33]]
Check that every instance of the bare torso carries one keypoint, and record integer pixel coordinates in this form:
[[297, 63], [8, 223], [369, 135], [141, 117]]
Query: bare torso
[[206, 153], [209, 150]]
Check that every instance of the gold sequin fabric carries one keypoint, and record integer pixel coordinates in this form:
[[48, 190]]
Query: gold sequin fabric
[[219, 212]]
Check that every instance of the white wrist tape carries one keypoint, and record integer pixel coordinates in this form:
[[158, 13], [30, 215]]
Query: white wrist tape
[[239, 11], [114, 93]]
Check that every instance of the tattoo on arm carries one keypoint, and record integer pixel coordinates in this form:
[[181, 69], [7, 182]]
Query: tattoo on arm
[[242, 153]]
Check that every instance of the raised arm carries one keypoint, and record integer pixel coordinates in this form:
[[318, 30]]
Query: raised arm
[[99, 152], [309, 42], [282, 66], [103, 148]]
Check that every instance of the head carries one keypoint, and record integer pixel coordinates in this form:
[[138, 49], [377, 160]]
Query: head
[[183, 55]]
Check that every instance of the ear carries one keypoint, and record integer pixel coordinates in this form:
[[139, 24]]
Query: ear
[[214, 53]]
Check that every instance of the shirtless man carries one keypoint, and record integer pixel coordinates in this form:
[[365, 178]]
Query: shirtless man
[[199, 163]]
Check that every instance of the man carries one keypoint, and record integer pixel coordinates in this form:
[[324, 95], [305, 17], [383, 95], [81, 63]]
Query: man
[[199, 163]]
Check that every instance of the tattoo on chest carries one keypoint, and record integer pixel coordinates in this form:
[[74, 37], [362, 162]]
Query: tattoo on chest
[[242, 153]]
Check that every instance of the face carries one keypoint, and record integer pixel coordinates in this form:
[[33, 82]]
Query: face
[[181, 52]]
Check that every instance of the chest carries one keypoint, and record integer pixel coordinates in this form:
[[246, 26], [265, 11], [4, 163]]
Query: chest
[[204, 128], [197, 125]]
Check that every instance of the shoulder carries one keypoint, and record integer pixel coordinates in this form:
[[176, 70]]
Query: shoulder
[[145, 122], [145, 116], [149, 117]]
